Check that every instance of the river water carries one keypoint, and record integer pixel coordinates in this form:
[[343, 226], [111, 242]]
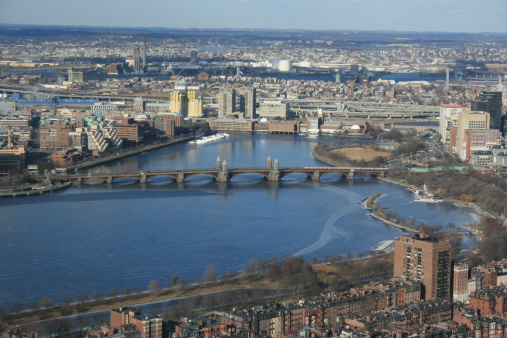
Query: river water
[[100, 237]]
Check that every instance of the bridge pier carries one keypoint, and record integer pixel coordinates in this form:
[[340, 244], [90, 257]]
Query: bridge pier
[[142, 179], [181, 178], [224, 176], [351, 175], [382, 174], [79, 180], [316, 175], [109, 179], [274, 176]]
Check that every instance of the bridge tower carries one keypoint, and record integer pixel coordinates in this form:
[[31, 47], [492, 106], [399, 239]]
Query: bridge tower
[[269, 164], [218, 164], [224, 176], [274, 174]]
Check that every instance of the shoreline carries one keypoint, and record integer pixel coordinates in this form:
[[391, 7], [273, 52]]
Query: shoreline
[[129, 153], [33, 192]]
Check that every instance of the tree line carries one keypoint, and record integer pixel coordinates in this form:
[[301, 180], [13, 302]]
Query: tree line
[[405, 144], [285, 276], [488, 190]]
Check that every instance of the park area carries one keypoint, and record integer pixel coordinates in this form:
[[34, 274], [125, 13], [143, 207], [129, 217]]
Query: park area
[[361, 153]]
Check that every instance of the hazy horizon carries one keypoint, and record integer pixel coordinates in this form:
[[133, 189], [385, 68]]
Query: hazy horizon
[[432, 16]]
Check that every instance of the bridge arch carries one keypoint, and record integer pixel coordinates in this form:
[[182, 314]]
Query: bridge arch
[[149, 177], [115, 179], [309, 174], [250, 173], [94, 180], [326, 173], [212, 175]]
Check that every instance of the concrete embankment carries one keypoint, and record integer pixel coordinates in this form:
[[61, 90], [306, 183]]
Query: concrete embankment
[[125, 154], [34, 190]]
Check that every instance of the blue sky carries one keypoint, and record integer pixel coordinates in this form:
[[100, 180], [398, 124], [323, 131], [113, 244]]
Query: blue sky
[[401, 15]]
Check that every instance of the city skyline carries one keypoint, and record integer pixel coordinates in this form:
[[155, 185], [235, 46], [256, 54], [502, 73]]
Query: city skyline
[[465, 16]]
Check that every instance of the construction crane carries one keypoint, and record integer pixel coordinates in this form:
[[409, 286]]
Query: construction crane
[[175, 76]]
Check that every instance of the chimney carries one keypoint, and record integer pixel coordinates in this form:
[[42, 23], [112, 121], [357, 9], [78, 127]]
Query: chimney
[[9, 145]]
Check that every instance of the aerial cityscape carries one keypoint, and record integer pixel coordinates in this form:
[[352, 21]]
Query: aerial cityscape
[[253, 168]]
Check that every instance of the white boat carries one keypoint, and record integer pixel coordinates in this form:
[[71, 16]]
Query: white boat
[[207, 139]]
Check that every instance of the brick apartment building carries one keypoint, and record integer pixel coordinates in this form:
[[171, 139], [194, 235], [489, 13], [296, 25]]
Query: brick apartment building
[[425, 259], [148, 325], [130, 132]]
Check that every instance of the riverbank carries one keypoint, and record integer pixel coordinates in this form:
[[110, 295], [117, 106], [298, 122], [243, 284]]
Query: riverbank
[[134, 300], [329, 161], [125, 154], [378, 214], [244, 290], [34, 190], [370, 202]]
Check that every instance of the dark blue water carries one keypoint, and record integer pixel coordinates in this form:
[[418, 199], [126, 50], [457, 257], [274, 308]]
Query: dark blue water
[[100, 237]]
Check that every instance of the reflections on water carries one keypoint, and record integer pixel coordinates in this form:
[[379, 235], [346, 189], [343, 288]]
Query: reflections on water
[[100, 237]]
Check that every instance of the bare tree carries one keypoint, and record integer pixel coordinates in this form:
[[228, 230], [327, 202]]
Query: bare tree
[[113, 293], [34, 306], [82, 298], [210, 274], [16, 307], [175, 279], [154, 287], [127, 291], [82, 321], [251, 267], [47, 302], [97, 295], [66, 300], [210, 301], [64, 326]]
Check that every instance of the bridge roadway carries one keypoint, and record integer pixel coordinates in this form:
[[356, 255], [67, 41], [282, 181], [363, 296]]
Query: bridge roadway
[[222, 174]]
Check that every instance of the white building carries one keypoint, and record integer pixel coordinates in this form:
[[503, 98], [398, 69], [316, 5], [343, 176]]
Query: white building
[[448, 120]]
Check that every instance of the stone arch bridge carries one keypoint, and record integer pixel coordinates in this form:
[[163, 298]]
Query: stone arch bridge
[[221, 173]]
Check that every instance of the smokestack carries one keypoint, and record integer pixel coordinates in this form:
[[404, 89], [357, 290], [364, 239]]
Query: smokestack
[[144, 51], [447, 79], [9, 139]]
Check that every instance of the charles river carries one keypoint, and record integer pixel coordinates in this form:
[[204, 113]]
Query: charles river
[[100, 237]]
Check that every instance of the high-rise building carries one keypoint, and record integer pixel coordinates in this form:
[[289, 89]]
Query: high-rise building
[[195, 104], [448, 120], [248, 102], [139, 105], [226, 102], [490, 102], [338, 76], [137, 61], [460, 284], [427, 260], [468, 121], [179, 103], [144, 52]]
